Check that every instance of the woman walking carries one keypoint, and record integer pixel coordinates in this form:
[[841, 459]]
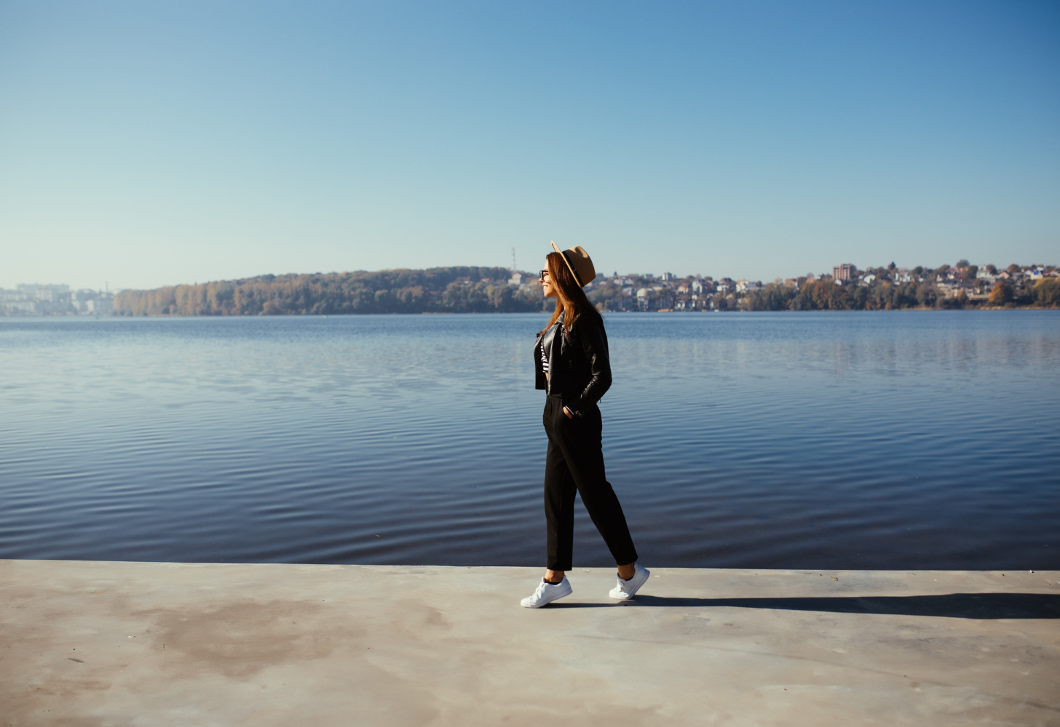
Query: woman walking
[[572, 366]]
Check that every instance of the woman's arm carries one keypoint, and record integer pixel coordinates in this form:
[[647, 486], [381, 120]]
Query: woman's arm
[[594, 345]]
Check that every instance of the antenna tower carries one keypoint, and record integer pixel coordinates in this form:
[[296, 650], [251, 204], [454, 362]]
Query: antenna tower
[[513, 259]]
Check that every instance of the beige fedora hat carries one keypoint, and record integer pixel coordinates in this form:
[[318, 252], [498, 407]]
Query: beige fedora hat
[[579, 262]]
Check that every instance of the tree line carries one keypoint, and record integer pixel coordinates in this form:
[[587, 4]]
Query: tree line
[[827, 295], [885, 295], [435, 290], [486, 289]]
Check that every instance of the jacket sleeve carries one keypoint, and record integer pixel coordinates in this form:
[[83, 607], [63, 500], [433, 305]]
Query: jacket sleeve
[[593, 343]]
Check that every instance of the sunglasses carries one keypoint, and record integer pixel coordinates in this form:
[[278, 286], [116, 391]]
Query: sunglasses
[[542, 274]]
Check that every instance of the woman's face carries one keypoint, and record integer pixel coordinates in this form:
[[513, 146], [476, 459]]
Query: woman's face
[[546, 284]]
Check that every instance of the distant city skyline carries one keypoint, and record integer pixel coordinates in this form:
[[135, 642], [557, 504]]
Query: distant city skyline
[[168, 143]]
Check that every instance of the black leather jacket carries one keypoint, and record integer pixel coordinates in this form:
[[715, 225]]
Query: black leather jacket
[[578, 365]]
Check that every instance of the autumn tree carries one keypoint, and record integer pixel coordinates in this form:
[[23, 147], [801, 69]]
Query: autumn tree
[[1001, 294], [1047, 292]]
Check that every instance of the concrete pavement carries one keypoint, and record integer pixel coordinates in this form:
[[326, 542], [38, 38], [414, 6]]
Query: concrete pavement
[[113, 643]]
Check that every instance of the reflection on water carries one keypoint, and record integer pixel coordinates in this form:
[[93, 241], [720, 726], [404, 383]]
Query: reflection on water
[[868, 440]]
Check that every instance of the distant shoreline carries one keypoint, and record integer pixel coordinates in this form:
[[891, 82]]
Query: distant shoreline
[[502, 290], [696, 314]]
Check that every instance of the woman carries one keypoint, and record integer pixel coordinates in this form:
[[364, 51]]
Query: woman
[[572, 366]]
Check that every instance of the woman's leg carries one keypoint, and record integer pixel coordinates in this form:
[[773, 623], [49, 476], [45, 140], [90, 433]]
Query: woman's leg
[[559, 515], [579, 443], [559, 502]]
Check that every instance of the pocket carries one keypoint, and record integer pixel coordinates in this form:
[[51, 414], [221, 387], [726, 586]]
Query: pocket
[[563, 418], [555, 409]]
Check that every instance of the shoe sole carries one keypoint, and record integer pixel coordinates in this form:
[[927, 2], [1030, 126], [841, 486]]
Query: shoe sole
[[551, 600]]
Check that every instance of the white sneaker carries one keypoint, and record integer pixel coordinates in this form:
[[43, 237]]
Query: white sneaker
[[547, 592], [625, 590]]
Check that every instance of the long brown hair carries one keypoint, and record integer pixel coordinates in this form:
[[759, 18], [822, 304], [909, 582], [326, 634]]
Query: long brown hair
[[570, 298]]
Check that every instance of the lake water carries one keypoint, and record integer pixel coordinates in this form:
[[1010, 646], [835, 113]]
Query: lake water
[[818, 440]]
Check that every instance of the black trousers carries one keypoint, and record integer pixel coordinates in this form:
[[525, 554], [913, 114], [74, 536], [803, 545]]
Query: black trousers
[[575, 464]]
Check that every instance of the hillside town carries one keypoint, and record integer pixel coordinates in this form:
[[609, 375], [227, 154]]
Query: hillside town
[[54, 300], [846, 287]]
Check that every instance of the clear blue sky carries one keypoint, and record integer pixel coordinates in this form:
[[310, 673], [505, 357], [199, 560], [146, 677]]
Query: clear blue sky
[[150, 143]]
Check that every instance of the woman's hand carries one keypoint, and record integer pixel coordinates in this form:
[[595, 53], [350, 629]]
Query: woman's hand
[[567, 412]]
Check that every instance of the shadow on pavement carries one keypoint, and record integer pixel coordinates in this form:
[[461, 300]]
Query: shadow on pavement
[[950, 605]]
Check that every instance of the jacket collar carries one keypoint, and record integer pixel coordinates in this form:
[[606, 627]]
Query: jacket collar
[[549, 339]]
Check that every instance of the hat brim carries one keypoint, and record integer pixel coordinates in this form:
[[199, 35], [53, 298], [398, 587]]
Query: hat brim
[[569, 266]]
